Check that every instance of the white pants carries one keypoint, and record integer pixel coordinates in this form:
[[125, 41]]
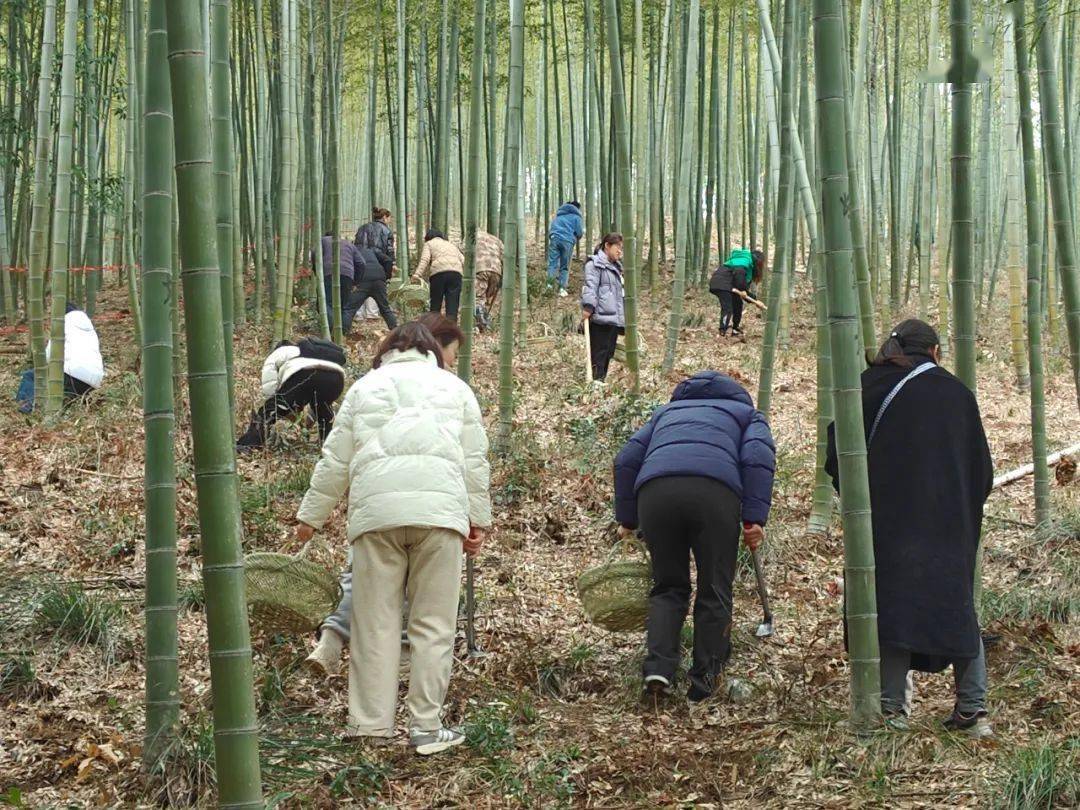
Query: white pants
[[424, 565]]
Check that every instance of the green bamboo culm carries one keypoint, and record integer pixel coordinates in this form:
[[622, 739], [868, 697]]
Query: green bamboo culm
[[1037, 389], [511, 224], [221, 130], [8, 288], [332, 177], [162, 674], [236, 740], [962, 75], [1057, 172], [472, 189], [402, 122], [625, 188], [682, 183], [54, 396], [847, 364], [39, 217], [783, 228]]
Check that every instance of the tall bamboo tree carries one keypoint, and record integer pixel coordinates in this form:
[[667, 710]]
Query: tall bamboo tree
[[962, 75], [1014, 194], [236, 740], [61, 226], [783, 202], [682, 183], [221, 124], [472, 195], [402, 120], [847, 359], [162, 672], [1050, 116], [1034, 264], [511, 224], [39, 220], [626, 199]]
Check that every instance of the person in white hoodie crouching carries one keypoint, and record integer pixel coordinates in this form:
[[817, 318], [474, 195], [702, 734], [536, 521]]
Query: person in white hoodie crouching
[[297, 375], [409, 447], [84, 369]]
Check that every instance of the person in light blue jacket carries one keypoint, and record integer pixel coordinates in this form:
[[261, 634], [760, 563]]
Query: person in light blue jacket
[[563, 233]]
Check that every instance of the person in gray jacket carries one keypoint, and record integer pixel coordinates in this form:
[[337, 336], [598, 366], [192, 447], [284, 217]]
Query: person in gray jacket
[[602, 302]]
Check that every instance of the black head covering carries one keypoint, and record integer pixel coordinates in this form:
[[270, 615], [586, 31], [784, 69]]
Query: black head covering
[[910, 338]]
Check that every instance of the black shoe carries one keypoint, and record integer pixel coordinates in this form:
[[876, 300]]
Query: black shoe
[[977, 726], [657, 686], [736, 330], [723, 332]]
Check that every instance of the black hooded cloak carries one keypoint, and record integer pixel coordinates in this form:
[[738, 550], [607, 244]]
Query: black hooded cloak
[[930, 474]]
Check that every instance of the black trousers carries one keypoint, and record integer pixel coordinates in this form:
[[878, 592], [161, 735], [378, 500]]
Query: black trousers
[[75, 389], [602, 340], [731, 306], [446, 287], [317, 388], [347, 314], [680, 516], [362, 291]]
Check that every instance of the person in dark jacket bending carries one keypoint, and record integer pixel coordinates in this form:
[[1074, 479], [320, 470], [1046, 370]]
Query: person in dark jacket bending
[[703, 463], [378, 236], [372, 273], [930, 473], [346, 271], [602, 302], [742, 268]]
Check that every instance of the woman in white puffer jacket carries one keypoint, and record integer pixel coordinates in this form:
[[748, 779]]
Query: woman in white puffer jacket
[[409, 445]]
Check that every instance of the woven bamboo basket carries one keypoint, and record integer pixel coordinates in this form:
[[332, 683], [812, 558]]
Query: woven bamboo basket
[[540, 334], [287, 593], [615, 594]]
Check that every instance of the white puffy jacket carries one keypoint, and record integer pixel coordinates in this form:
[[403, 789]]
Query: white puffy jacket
[[285, 361], [409, 445], [82, 352]]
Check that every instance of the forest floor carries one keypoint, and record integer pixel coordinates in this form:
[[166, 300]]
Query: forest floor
[[553, 711]]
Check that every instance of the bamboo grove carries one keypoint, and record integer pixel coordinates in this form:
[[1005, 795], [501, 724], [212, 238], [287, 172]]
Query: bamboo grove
[[891, 158]]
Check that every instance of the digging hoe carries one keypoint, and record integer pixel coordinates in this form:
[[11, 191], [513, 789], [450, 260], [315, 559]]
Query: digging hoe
[[765, 629]]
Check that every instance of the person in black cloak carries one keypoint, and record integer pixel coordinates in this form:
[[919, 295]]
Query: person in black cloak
[[930, 473]]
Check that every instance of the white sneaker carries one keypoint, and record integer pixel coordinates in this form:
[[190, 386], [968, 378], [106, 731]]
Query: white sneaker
[[434, 742], [325, 659], [562, 292]]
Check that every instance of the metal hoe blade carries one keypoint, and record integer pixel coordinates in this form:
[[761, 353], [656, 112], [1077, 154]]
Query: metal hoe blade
[[765, 629]]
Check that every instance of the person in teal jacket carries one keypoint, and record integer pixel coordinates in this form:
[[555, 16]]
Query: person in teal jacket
[[742, 268], [563, 233]]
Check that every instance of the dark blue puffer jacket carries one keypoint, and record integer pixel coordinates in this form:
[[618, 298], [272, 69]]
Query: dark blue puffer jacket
[[566, 226], [710, 428]]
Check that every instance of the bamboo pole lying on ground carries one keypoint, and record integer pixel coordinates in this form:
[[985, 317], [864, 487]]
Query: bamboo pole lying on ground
[[1028, 469]]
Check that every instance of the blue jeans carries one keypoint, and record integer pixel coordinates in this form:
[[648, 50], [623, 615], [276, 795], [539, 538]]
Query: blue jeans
[[559, 261]]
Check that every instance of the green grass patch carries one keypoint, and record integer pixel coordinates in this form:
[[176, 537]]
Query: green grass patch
[[17, 677], [72, 614], [1040, 777]]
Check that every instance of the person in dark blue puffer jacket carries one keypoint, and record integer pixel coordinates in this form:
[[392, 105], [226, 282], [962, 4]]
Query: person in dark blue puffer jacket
[[704, 462]]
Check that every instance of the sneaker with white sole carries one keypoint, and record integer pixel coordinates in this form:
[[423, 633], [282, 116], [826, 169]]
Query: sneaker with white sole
[[562, 292], [657, 685], [325, 659], [434, 742]]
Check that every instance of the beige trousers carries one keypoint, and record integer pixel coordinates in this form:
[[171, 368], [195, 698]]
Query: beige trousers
[[424, 564]]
